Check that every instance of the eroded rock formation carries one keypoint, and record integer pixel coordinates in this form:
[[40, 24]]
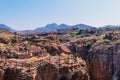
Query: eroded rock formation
[[85, 56], [38, 58], [101, 53], [104, 62]]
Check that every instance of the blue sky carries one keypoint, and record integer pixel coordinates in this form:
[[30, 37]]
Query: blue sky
[[30, 14]]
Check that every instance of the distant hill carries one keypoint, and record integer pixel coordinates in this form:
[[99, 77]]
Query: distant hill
[[55, 27], [48, 28], [83, 26], [26, 32], [110, 26], [51, 27], [3, 26]]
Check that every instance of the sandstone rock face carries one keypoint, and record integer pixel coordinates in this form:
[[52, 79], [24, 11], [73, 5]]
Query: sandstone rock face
[[102, 59], [104, 62], [101, 53], [72, 69], [50, 72], [14, 74], [10, 74], [47, 72], [1, 74]]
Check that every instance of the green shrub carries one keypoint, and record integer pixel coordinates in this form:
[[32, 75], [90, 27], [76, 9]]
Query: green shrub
[[12, 55], [103, 41], [109, 36]]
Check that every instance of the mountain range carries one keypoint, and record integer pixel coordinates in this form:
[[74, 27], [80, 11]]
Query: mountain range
[[50, 27], [54, 27], [3, 26], [110, 26]]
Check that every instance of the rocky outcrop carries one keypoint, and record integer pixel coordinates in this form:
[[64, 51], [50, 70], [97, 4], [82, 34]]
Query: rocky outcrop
[[14, 74], [27, 47], [10, 74], [101, 53], [1, 74], [104, 62], [68, 72], [63, 67], [39, 58], [47, 72]]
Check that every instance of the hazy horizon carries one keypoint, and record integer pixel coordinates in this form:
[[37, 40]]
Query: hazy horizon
[[30, 14]]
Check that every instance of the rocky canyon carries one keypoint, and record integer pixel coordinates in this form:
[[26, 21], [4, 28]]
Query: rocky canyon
[[75, 55]]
